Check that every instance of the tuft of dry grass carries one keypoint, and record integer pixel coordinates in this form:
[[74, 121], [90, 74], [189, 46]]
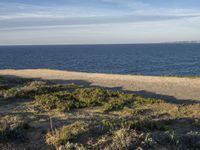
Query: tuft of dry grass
[[66, 133], [71, 146], [126, 139], [12, 127]]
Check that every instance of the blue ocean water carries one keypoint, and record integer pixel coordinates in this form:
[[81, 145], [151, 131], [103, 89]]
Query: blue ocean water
[[146, 59]]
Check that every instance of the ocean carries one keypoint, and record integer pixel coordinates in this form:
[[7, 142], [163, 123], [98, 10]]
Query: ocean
[[144, 59]]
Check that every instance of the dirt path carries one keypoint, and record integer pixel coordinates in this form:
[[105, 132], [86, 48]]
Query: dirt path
[[174, 89]]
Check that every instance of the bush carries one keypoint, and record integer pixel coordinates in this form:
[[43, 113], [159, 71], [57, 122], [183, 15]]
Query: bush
[[118, 103], [43, 89], [35, 88], [83, 97], [63, 101], [11, 93], [142, 101], [66, 134], [93, 96], [23, 91]]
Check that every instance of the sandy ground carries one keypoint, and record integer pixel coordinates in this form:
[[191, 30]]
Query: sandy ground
[[173, 89]]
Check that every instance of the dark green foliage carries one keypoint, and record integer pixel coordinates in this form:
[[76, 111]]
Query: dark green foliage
[[115, 104], [45, 89], [83, 97], [7, 85], [23, 91], [94, 96], [11, 93], [63, 101], [67, 97], [142, 101], [35, 88], [118, 103]]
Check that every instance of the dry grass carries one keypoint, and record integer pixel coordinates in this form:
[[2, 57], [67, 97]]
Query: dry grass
[[96, 118], [66, 133], [12, 128]]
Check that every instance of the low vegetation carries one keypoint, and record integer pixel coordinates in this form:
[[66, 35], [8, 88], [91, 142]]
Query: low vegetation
[[72, 117], [12, 127], [66, 134]]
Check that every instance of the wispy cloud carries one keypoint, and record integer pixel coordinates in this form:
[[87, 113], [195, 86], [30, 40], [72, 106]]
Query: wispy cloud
[[48, 22], [26, 16], [131, 4], [21, 16]]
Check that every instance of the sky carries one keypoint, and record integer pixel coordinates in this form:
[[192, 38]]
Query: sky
[[38, 22]]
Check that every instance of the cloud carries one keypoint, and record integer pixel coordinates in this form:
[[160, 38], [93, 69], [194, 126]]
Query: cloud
[[134, 4], [18, 16], [59, 22]]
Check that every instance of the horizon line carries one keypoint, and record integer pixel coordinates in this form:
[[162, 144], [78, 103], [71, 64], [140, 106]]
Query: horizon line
[[87, 44]]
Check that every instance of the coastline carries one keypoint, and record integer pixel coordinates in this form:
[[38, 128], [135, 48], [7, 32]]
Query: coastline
[[169, 88]]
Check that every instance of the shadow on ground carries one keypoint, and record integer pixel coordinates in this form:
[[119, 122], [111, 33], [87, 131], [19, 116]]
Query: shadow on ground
[[143, 93]]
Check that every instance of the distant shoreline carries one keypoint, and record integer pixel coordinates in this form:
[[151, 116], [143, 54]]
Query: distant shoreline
[[171, 88], [82, 72], [156, 43]]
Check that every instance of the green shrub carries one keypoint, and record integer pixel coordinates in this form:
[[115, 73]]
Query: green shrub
[[93, 96], [11, 93], [23, 91], [10, 87], [26, 88], [115, 104], [44, 89], [35, 88], [142, 101], [118, 103], [67, 134], [63, 101], [83, 97]]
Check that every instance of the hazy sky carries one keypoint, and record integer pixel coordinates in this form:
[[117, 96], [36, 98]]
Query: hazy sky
[[98, 21]]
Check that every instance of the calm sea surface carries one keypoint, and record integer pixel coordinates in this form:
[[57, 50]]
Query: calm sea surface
[[146, 59]]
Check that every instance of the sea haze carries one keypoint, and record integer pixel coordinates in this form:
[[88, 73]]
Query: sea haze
[[145, 59]]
